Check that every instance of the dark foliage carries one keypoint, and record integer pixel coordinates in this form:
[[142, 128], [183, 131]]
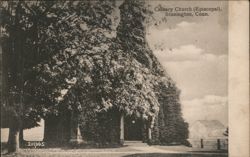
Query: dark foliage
[[64, 56]]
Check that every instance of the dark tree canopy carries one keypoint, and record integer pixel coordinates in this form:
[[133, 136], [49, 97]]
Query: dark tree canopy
[[72, 56]]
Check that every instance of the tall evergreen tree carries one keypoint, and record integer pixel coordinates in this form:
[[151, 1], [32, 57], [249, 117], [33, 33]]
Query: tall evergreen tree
[[131, 34], [169, 125], [172, 126]]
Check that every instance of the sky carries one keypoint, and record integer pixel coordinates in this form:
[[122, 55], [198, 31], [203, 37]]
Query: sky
[[194, 52]]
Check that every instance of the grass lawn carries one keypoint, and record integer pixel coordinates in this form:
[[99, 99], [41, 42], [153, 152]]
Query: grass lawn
[[125, 151], [110, 154]]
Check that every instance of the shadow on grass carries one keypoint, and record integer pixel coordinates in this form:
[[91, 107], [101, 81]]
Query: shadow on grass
[[90, 146], [66, 145], [175, 155]]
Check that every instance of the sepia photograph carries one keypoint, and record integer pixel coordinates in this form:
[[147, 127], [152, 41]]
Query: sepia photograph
[[115, 78]]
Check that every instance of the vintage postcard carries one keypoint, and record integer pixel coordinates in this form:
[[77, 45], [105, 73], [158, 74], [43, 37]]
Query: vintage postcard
[[124, 78]]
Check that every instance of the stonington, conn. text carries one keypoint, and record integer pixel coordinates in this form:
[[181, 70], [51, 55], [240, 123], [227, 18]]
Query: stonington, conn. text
[[187, 11]]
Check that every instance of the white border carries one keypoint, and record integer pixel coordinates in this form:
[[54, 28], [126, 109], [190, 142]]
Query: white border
[[238, 79]]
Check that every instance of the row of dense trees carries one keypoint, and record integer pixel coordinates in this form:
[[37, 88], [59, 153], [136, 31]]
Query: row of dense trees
[[64, 57], [168, 125]]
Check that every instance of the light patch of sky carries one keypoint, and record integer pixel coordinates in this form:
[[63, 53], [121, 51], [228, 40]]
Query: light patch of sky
[[194, 52]]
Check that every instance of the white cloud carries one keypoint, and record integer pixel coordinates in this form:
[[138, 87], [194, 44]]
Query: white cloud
[[184, 24], [208, 100], [196, 72], [209, 36], [209, 107], [184, 53], [195, 55]]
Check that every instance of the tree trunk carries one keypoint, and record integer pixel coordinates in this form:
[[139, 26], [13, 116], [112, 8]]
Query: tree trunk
[[16, 71], [21, 139], [75, 133], [13, 140], [122, 129], [149, 135]]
